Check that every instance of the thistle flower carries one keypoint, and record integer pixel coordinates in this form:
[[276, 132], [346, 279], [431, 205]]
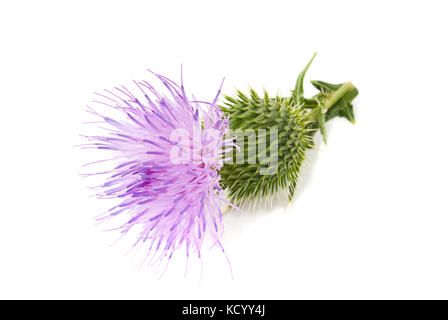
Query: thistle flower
[[167, 150], [294, 120]]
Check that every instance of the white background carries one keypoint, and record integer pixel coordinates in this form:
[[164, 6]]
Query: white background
[[371, 218]]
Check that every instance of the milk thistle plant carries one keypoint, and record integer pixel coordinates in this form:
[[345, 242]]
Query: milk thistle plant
[[176, 161]]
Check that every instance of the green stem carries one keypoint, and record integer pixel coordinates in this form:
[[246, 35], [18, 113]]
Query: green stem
[[338, 94], [327, 101]]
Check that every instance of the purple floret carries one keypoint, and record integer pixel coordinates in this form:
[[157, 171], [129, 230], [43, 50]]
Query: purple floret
[[167, 151]]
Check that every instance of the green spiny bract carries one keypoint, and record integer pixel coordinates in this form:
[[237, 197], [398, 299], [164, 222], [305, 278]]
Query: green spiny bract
[[294, 119], [251, 115]]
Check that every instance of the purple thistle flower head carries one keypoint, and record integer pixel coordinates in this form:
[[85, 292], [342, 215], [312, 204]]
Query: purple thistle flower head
[[167, 151]]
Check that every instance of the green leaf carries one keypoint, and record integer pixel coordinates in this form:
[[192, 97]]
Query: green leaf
[[298, 91], [325, 86]]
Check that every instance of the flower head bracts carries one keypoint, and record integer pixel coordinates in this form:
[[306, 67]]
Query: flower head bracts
[[167, 151]]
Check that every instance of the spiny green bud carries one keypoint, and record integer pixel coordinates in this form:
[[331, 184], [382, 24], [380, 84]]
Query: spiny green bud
[[273, 135]]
